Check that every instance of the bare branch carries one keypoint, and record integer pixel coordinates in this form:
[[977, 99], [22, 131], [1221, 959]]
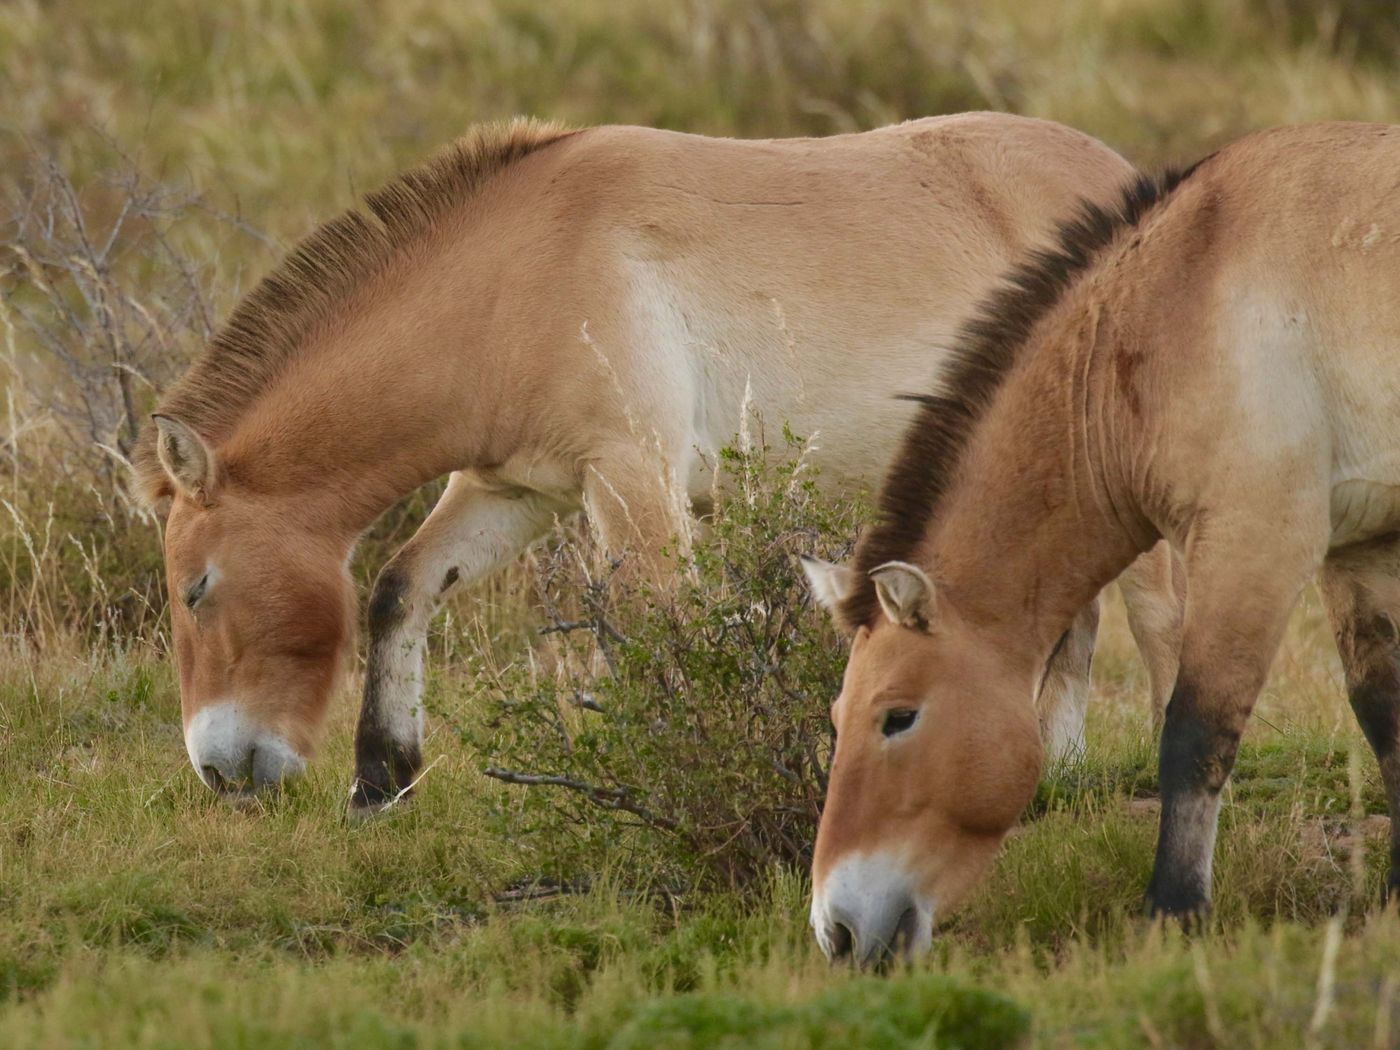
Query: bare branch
[[607, 798]]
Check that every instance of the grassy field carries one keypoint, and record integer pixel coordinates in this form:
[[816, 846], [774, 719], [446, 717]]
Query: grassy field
[[135, 909]]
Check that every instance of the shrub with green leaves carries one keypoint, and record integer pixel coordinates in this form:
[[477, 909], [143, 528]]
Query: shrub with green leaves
[[679, 731]]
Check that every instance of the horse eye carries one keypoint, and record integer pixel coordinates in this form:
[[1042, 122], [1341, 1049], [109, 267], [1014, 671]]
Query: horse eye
[[897, 722], [196, 592]]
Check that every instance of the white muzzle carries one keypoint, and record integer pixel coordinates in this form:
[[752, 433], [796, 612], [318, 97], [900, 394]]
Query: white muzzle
[[234, 755], [867, 910]]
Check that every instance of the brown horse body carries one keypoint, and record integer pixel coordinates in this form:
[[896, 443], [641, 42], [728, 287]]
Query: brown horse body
[[1214, 362], [565, 321]]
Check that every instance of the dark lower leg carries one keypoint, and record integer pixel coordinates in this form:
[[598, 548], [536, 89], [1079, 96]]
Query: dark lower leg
[[469, 534], [1376, 711], [1197, 753], [1367, 643], [1239, 594], [387, 750]]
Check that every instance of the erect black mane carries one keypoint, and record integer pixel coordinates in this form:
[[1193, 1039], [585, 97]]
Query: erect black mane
[[983, 353]]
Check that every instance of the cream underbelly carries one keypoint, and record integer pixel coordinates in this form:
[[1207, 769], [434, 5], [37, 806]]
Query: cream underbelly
[[849, 435], [1363, 509]]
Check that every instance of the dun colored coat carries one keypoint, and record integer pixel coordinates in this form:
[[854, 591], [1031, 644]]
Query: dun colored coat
[[1214, 360], [564, 321]]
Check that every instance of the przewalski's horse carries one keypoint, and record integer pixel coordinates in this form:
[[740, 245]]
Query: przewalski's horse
[[1215, 360], [564, 320]]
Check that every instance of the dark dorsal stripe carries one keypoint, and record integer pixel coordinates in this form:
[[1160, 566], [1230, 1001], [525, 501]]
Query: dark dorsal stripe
[[983, 352], [313, 283]]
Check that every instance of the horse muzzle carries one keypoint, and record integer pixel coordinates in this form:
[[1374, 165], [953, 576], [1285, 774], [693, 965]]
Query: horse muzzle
[[866, 911], [236, 756]]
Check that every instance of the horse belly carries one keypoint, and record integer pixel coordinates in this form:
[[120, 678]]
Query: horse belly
[[1363, 509], [1365, 408], [1365, 494], [749, 378], [850, 423], [753, 377]]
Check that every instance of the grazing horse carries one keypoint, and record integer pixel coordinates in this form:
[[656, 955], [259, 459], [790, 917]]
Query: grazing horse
[[563, 320], [1214, 361]]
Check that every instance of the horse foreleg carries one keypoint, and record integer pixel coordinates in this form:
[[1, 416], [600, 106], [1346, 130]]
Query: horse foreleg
[[471, 532], [1241, 588]]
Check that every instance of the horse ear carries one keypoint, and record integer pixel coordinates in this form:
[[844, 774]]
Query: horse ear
[[830, 583], [905, 593], [187, 460]]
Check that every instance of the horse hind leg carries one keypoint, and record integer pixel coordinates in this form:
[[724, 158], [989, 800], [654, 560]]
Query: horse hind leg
[[1154, 598], [1361, 590], [471, 532], [1064, 692], [1153, 590]]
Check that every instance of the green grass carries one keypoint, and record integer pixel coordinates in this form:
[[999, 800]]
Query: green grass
[[135, 909]]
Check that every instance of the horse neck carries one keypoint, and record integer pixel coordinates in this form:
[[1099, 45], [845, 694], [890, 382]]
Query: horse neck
[[381, 401], [1042, 516]]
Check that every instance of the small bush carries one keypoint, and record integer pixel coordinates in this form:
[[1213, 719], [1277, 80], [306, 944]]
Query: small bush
[[102, 302], [680, 731]]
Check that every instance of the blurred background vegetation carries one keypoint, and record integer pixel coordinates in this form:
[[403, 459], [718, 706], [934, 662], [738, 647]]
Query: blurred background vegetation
[[151, 168], [155, 160]]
